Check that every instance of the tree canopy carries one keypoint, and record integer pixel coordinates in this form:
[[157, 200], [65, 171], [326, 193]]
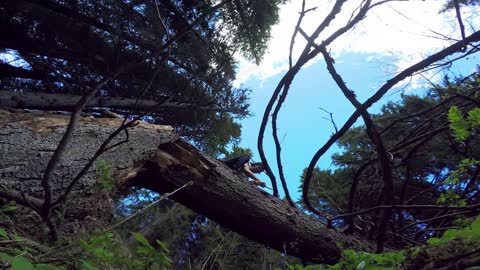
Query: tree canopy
[[178, 51]]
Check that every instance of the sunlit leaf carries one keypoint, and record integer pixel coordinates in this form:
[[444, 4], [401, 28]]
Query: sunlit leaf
[[474, 117], [454, 114], [458, 124], [361, 265], [434, 241]]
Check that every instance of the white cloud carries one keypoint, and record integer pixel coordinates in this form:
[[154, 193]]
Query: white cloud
[[404, 30]]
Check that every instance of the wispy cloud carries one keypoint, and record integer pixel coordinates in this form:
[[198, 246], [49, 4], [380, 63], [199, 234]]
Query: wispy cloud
[[404, 31]]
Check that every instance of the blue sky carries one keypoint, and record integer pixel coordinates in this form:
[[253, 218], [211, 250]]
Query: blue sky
[[364, 60]]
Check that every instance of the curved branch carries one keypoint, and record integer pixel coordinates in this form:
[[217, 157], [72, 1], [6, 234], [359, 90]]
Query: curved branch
[[374, 136], [288, 77], [454, 48], [277, 143]]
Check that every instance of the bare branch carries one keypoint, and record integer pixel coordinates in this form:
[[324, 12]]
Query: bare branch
[[374, 136], [331, 118], [278, 145], [396, 206], [460, 23], [289, 76], [429, 220]]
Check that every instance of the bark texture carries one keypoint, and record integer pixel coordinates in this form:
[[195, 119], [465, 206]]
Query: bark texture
[[27, 140], [155, 159]]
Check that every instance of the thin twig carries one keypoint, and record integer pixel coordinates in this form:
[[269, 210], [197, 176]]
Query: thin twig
[[427, 220], [292, 40], [331, 118], [163, 197], [396, 206]]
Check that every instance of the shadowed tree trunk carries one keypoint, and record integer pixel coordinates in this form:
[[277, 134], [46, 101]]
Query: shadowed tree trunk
[[43, 101], [154, 158]]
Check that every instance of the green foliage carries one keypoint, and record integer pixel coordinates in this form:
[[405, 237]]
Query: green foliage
[[369, 261], [458, 124], [329, 189], [20, 255], [251, 22], [463, 127], [155, 258], [104, 175], [86, 265], [3, 233], [355, 260], [101, 248], [107, 250], [455, 182], [465, 164], [237, 151], [11, 206], [474, 117], [222, 132], [454, 243], [21, 263], [470, 235]]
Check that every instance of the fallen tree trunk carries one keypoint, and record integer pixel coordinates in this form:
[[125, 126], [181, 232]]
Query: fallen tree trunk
[[156, 160], [224, 197]]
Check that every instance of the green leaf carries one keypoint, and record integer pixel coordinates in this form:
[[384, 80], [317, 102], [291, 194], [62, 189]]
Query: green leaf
[[460, 129], [141, 239], [434, 241], [21, 263], [450, 234], [5, 257], [461, 203], [3, 233], [163, 246], [361, 265], [474, 117], [454, 114], [458, 124], [86, 265], [476, 226]]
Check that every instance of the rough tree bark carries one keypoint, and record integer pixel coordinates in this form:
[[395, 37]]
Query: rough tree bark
[[156, 159], [27, 140]]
